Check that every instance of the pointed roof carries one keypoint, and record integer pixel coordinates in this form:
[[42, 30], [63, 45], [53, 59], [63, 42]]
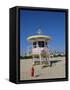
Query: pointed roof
[[39, 36]]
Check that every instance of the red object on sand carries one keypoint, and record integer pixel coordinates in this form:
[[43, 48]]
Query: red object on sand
[[32, 72]]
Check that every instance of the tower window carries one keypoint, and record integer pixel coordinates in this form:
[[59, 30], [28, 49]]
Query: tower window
[[41, 43], [34, 44]]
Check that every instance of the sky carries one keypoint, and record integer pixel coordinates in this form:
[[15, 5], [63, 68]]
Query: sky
[[51, 24]]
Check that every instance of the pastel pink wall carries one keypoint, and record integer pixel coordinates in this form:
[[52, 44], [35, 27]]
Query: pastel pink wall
[[39, 50]]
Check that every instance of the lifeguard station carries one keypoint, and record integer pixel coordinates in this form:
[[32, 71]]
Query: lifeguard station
[[40, 52]]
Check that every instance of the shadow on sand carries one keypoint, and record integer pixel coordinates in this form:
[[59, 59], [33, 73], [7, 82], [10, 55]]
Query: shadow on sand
[[51, 63], [54, 62]]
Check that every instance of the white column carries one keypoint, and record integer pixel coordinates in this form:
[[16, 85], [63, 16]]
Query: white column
[[45, 43], [40, 58], [39, 54], [37, 44]]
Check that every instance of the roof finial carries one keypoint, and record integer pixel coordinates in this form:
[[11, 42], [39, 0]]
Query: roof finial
[[39, 31]]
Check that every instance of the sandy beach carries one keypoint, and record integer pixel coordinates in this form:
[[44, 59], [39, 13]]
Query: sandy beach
[[57, 70]]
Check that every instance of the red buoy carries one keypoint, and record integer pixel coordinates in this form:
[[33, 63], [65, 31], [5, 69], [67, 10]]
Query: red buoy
[[32, 72]]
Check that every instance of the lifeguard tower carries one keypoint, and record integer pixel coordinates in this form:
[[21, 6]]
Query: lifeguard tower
[[40, 50]]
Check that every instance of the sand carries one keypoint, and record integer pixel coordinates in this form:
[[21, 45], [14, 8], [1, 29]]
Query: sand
[[56, 71]]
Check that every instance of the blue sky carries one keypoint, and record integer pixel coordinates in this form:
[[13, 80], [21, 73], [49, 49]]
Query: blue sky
[[51, 24]]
